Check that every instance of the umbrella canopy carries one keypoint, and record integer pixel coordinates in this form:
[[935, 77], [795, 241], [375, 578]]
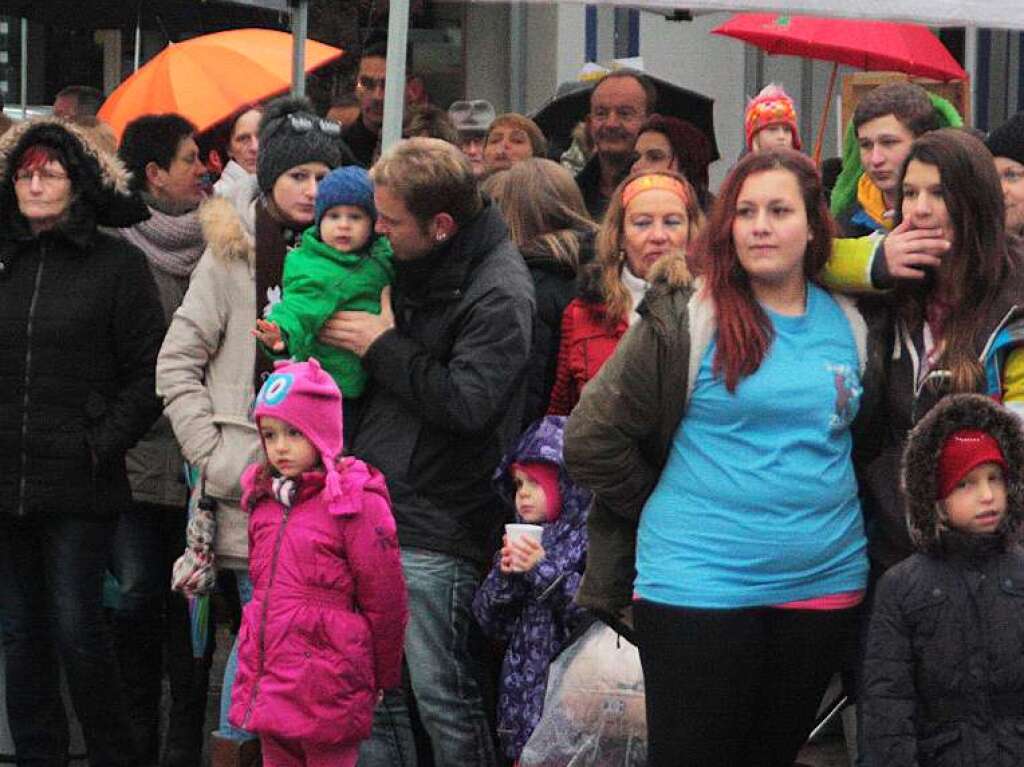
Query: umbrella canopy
[[560, 115], [167, 16], [207, 78], [872, 45]]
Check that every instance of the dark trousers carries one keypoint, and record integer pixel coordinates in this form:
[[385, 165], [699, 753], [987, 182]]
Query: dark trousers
[[51, 589], [736, 687]]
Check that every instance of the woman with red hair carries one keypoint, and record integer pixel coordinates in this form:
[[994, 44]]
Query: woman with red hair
[[717, 441]]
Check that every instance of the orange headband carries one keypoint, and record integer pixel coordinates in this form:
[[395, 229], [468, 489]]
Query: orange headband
[[654, 181]]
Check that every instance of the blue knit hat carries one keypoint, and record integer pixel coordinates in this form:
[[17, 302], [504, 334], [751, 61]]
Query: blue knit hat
[[345, 186]]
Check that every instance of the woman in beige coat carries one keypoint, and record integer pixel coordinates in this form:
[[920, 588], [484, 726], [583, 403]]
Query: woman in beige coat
[[208, 367]]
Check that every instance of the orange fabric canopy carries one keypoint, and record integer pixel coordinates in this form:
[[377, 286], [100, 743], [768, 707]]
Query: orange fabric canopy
[[207, 78]]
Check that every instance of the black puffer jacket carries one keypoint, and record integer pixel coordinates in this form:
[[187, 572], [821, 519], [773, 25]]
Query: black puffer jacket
[[80, 328], [944, 663], [447, 387]]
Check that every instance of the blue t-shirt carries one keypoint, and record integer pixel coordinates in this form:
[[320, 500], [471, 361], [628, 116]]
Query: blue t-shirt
[[757, 504]]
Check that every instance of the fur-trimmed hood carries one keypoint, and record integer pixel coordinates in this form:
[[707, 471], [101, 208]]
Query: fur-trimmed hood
[[229, 232], [921, 458], [99, 181]]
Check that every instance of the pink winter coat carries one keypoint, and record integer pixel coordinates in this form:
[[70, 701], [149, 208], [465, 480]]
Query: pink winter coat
[[326, 625]]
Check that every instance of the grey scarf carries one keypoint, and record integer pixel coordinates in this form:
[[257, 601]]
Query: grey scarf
[[172, 244]]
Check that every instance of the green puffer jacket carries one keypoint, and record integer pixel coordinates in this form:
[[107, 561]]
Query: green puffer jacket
[[318, 281]]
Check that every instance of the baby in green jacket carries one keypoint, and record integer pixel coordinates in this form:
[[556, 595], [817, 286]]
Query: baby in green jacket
[[340, 264]]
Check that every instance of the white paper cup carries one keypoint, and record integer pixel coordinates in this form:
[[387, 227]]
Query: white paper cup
[[517, 531]]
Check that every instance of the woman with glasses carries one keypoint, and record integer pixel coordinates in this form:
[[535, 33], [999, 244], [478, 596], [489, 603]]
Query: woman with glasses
[[668, 143], [1007, 146], [209, 368], [81, 326]]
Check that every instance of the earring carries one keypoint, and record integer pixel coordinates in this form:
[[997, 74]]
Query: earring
[[440, 237]]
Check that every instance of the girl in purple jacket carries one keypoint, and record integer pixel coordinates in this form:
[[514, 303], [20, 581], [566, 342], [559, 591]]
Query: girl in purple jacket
[[527, 599], [323, 634]]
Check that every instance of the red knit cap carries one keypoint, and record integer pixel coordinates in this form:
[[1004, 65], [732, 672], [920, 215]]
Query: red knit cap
[[546, 475], [770, 107], [962, 452]]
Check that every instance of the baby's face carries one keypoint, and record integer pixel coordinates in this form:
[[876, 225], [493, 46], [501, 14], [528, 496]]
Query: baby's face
[[346, 227]]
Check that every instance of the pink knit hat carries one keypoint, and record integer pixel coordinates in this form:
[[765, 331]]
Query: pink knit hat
[[302, 395], [770, 107]]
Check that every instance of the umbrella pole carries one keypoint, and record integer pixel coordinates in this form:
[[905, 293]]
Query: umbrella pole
[[394, 76], [300, 28], [824, 115]]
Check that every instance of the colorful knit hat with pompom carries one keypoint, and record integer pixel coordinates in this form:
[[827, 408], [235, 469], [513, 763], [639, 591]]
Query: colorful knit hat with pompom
[[770, 107]]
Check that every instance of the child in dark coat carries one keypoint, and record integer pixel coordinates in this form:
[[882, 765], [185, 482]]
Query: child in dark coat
[[944, 665], [527, 599]]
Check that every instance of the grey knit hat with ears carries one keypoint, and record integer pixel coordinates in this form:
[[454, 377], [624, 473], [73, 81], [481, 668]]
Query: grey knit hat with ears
[[292, 134], [1008, 139]]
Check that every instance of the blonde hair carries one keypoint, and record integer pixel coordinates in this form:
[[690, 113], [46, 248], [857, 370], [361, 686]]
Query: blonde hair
[[430, 176], [610, 257], [543, 207]]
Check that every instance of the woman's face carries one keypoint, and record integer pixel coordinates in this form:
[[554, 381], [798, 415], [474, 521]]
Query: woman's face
[[294, 192], [506, 145], [245, 144], [924, 204], [655, 224], [770, 228], [43, 194], [653, 153], [1011, 174]]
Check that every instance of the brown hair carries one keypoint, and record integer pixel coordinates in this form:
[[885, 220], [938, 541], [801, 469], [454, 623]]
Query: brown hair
[[428, 121], [430, 176], [538, 144], [543, 208], [650, 91], [968, 280], [617, 301], [907, 102], [744, 329]]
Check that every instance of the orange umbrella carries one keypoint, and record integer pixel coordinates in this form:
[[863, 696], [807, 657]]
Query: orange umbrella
[[207, 78]]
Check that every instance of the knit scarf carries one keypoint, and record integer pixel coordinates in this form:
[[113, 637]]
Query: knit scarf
[[172, 244]]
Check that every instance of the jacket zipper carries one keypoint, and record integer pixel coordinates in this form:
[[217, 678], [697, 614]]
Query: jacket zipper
[[261, 641], [28, 366]]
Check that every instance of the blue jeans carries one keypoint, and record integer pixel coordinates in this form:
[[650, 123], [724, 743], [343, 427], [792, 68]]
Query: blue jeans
[[224, 729], [442, 671], [51, 585]]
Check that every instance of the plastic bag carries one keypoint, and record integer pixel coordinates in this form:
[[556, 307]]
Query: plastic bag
[[594, 712]]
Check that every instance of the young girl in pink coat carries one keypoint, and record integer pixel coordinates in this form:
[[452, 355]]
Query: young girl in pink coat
[[324, 631]]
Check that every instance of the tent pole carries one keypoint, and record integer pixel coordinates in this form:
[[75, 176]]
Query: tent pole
[[24, 69], [824, 115], [394, 88], [300, 29]]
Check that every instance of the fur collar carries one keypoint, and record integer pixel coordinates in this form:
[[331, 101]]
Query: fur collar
[[225, 232]]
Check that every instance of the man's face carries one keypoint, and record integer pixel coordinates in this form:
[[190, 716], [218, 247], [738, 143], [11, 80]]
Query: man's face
[[370, 91], [618, 107], [884, 144], [65, 107], [409, 238], [472, 145]]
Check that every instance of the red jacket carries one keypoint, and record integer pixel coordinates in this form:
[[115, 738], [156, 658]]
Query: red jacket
[[586, 344], [325, 628]]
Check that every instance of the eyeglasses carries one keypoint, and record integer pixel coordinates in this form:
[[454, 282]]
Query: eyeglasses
[[45, 176], [368, 83], [1012, 176], [302, 123], [625, 114]]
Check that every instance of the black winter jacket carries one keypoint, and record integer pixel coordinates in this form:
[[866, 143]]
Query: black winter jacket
[[447, 387], [944, 662], [80, 328]]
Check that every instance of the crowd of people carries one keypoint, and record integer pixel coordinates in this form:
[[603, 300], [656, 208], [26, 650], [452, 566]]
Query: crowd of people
[[742, 427]]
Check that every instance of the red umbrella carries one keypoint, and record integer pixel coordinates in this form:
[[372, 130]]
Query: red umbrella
[[871, 45]]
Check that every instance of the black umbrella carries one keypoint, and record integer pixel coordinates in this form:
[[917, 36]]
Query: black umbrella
[[560, 115]]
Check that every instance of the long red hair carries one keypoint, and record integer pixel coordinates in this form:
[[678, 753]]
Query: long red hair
[[744, 329]]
